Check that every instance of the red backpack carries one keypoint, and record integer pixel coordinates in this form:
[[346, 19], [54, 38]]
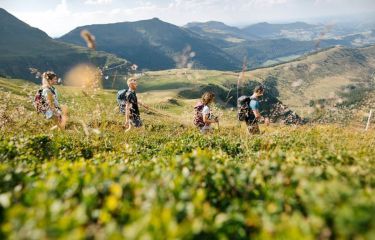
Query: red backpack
[[40, 102], [198, 116]]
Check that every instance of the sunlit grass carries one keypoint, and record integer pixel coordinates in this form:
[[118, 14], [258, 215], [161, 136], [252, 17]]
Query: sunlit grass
[[167, 181]]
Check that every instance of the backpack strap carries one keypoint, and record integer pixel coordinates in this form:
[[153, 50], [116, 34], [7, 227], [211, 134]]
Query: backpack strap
[[122, 94], [199, 106], [53, 90]]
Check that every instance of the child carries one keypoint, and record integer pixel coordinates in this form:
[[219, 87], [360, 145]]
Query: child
[[252, 125], [203, 116], [132, 115], [52, 109]]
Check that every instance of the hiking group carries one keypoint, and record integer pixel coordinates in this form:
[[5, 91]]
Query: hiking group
[[248, 111], [46, 102]]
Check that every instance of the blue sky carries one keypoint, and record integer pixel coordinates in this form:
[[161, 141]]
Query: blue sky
[[57, 17]]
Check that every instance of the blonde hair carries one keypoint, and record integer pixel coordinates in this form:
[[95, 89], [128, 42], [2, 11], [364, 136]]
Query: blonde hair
[[259, 89], [207, 97], [131, 79], [47, 77]]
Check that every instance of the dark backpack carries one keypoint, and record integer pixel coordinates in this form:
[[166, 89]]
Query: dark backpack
[[244, 111], [121, 99], [198, 116]]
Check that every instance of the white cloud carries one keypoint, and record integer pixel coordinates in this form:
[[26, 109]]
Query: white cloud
[[268, 2], [98, 2], [61, 8], [69, 14]]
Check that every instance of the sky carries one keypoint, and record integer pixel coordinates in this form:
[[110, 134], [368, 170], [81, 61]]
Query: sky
[[57, 17]]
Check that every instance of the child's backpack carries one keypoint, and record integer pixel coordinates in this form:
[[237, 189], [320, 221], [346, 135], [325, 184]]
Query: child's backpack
[[198, 116], [40, 102], [121, 99], [244, 111]]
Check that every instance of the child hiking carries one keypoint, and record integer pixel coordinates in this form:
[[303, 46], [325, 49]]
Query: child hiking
[[203, 117], [249, 110], [128, 103], [46, 100]]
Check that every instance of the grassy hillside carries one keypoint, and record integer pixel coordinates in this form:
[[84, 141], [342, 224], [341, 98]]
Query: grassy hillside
[[335, 81], [167, 181], [325, 76]]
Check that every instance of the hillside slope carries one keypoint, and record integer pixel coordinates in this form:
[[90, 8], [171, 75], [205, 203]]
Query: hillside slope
[[154, 44], [265, 44], [335, 77], [23, 47]]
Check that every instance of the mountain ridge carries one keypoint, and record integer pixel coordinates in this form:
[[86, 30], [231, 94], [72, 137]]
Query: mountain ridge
[[156, 39], [23, 47]]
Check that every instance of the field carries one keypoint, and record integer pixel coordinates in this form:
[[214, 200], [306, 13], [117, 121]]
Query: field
[[167, 181]]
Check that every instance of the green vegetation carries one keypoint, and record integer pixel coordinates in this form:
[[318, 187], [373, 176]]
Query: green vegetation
[[166, 181]]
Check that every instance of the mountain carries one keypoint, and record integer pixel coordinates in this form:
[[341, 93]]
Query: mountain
[[259, 31], [265, 44], [23, 47], [259, 52], [266, 30], [218, 30], [154, 44], [239, 44]]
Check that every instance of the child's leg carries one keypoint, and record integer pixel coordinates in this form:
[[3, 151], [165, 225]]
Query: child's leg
[[253, 128], [206, 129], [63, 117]]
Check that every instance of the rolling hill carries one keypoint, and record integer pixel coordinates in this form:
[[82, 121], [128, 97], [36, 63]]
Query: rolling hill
[[266, 30], [334, 85], [218, 30], [254, 43], [330, 81], [155, 45], [330, 84], [23, 47], [265, 44], [259, 31]]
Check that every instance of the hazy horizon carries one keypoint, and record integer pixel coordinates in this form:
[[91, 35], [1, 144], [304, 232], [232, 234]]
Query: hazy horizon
[[65, 15]]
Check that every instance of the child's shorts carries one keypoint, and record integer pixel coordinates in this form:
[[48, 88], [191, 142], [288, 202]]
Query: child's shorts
[[135, 121], [205, 129], [49, 113]]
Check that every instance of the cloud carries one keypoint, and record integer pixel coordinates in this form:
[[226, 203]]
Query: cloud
[[69, 14], [269, 3], [61, 8], [98, 2]]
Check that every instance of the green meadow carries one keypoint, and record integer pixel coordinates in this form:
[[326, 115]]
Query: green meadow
[[167, 181]]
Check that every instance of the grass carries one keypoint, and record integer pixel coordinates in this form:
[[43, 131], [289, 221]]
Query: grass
[[167, 181]]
